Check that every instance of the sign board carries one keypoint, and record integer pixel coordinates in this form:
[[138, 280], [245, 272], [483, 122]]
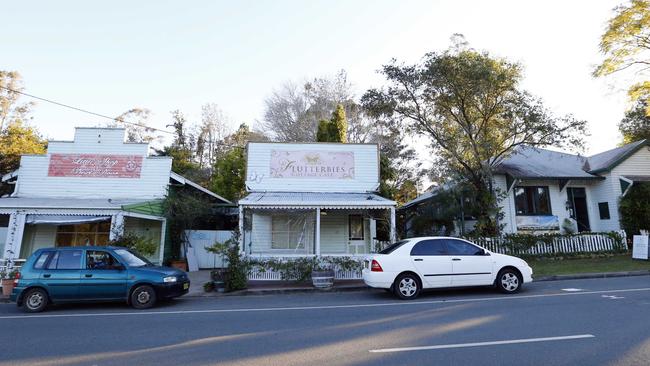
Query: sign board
[[538, 223], [95, 166], [640, 247], [312, 164]]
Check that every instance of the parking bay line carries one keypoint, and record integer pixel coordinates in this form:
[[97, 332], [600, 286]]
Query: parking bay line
[[482, 344], [321, 307]]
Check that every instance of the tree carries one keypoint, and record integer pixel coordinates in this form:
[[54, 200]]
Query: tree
[[181, 150], [135, 121], [636, 124], [17, 139], [229, 173], [626, 46], [213, 129], [334, 130], [635, 209], [294, 112], [469, 104], [10, 110]]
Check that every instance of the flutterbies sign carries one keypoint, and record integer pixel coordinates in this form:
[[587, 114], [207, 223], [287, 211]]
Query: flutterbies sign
[[312, 164], [95, 166]]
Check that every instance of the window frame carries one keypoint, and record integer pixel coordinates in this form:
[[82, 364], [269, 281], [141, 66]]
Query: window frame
[[363, 227], [535, 202], [116, 261], [76, 233], [602, 206], [288, 245]]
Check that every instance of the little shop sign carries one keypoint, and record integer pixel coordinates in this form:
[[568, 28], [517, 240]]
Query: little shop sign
[[312, 164], [95, 166]]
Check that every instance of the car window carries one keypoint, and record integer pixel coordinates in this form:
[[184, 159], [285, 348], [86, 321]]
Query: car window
[[40, 262], [99, 259], [132, 259], [430, 247], [66, 259], [459, 247], [391, 248]]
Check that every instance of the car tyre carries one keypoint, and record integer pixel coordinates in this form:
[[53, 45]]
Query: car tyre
[[509, 281], [407, 286], [143, 297], [35, 300]]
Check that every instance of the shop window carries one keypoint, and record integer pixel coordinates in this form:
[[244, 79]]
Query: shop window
[[288, 232], [355, 225], [532, 201], [603, 209], [83, 234]]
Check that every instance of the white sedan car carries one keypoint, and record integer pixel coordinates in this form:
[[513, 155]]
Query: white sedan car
[[410, 265]]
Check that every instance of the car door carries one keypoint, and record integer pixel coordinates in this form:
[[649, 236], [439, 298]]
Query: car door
[[432, 261], [61, 274], [103, 278], [471, 265]]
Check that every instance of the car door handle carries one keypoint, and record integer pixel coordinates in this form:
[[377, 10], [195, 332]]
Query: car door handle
[[88, 275], [418, 259], [455, 259], [47, 275]]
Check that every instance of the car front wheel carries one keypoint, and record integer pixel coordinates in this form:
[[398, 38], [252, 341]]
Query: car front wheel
[[407, 286], [143, 297], [509, 281], [35, 300]]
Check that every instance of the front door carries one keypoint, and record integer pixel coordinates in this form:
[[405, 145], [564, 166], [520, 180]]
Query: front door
[[577, 198], [104, 277], [357, 235], [432, 262], [470, 266], [62, 273]]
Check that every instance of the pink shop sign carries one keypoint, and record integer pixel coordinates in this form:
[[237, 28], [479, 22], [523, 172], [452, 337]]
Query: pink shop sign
[[95, 166], [312, 164]]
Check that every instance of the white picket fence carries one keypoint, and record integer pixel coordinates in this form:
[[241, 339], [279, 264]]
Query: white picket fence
[[580, 243]]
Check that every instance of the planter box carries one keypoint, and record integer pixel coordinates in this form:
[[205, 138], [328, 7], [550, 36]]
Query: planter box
[[7, 286], [323, 279]]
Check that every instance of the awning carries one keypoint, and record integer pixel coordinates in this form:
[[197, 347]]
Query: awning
[[312, 200], [63, 219]]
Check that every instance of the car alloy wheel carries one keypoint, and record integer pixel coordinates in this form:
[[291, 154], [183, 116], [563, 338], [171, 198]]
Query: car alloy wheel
[[35, 301], [143, 297], [407, 287], [509, 281]]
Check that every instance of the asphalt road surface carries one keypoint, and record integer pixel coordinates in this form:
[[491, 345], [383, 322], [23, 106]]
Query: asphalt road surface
[[580, 322]]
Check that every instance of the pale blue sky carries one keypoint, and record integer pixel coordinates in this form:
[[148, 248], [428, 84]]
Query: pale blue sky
[[111, 56]]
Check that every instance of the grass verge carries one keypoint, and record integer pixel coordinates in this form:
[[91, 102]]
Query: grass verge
[[617, 263]]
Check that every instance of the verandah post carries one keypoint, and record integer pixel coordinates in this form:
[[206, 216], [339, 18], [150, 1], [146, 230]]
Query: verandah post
[[317, 234]]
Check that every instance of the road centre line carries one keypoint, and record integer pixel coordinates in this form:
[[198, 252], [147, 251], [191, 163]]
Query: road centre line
[[482, 344], [322, 307]]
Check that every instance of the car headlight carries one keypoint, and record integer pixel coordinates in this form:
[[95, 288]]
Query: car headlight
[[170, 279]]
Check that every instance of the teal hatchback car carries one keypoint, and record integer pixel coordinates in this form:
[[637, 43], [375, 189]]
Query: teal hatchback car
[[74, 274]]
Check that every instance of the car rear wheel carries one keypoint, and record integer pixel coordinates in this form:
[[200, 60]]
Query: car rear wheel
[[143, 297], [35, 300], [407, 286], [509, 281]]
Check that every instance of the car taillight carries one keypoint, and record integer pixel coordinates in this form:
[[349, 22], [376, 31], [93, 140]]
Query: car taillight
[[375, 267], [16, 278]]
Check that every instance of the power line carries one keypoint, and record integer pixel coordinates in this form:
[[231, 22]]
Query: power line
[[84, 110]]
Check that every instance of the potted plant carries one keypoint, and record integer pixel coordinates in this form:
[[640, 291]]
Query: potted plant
[[208, 286], [322, 274], [8, 281]]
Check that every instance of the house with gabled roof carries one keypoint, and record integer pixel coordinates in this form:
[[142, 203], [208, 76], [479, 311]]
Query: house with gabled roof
[[547, 191]]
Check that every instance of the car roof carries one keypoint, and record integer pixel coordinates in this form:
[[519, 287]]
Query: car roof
[[88, 247]]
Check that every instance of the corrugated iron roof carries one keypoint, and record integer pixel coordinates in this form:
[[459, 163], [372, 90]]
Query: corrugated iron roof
[[534, 162], [315, 199]]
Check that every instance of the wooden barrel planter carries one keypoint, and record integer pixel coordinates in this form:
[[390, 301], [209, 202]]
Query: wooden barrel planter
[[323, 279]]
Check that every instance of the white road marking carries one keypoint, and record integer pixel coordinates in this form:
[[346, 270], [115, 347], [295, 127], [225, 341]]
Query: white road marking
[[482, 344], [322, 307], [571, 289], [612, 297]]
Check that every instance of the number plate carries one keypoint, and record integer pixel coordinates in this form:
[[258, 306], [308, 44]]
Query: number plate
[[186, 286]]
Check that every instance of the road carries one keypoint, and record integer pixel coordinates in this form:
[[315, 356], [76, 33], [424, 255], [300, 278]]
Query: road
[[580, 322]]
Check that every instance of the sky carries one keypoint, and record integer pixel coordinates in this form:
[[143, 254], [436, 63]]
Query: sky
[[109, 57]]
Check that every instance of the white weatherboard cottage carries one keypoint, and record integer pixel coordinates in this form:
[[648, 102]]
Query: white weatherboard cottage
[[87, 192], [544, 188], [312, 199]]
